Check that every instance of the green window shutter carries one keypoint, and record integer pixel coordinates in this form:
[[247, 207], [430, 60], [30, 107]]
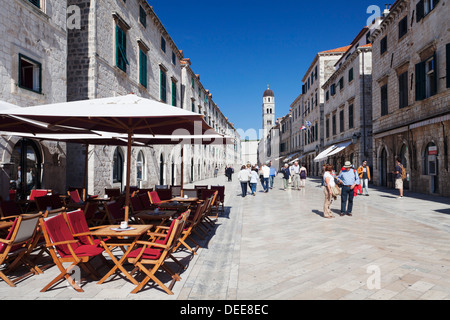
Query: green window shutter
[[174, 94], [420, 10], [350, 75], [37, 3], [420, 81], [434, 85], [121, 49], [163, 87], [142, 16], [142, 68], [447, 47]]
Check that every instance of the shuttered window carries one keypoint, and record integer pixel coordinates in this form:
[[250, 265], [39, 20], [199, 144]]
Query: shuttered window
[[142, 68], [403, 27], [121, 49], [142, 16], [448, 64], [350, 116], [383, 45], [174, 94], [426, 78], [350, 75], [163, 79], [403, 90], [37, 3], [384, 100]]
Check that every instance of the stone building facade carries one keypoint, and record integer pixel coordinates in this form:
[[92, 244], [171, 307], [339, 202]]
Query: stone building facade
[[123, 47], [33, 55], [86, 49], [411, 114], [313, 98], [348, 106]]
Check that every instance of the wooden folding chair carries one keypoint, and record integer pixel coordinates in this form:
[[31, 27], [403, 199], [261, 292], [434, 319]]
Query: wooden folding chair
[[43, 202], [115, 212], [9, 209], [80, 228], [210, 193], [65, 249], [191, 193], [164, 194], [94, 217], [176, 191], [113, 193], [220, 196], [155, 254], [191, 227], [16, 247]]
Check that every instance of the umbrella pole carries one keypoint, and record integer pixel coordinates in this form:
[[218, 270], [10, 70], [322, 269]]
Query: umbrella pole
[[182, 169], [86, 163], [127, 188]]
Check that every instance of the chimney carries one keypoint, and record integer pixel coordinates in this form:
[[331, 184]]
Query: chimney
[[386, 10]]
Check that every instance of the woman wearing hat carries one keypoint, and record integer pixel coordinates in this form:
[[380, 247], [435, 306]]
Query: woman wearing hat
[[349, 179]]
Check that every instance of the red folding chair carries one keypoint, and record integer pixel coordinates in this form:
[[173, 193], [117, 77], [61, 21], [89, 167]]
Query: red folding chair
[[16, 247], [64, 248], [155, 254]]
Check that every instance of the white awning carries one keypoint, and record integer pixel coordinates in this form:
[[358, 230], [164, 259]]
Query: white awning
[[334, 149], [323, 155], [289, 157]]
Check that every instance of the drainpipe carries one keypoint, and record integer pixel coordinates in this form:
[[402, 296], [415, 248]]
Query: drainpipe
[[364, 103]]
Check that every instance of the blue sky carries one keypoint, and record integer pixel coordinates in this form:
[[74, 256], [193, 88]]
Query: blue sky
[[239, 47]]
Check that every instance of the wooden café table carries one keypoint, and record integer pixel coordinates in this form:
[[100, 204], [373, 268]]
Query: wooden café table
[[155, 217], [122, 238]]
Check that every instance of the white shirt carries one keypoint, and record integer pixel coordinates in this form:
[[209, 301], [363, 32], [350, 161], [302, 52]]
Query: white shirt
[[295, 169], [331, 183], [254, 177], [266, 171], [244, 175]]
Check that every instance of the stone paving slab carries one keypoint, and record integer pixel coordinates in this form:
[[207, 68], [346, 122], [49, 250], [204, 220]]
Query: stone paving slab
[[278, 246]]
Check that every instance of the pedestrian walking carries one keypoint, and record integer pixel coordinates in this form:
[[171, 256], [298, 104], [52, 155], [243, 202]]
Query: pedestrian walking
[[303, 174], [364, 176], [216, 170], [244, 178], [254, 180], [229, 173], [286, 174], [273, 173], [295, 173], [265, 170], [349, 179], [328, 182], [400, 175]]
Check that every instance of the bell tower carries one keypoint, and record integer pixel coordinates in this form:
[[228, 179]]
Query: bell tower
[[268, 110]]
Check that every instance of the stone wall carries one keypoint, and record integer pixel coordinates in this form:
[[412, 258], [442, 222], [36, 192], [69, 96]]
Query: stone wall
[[40, 35]]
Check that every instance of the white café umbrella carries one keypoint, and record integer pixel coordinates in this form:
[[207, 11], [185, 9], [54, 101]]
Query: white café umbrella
[[128, 115]]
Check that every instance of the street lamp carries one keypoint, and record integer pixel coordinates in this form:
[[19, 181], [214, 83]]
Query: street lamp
[[355, 137]]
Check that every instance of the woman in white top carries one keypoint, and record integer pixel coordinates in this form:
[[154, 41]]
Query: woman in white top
[[244, 178], [328, 182], [254, 179]]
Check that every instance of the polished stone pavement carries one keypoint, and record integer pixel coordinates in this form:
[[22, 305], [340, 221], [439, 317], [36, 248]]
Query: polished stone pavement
[[278, 246]]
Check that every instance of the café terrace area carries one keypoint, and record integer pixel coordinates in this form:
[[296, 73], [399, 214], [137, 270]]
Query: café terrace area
[[278, 246]]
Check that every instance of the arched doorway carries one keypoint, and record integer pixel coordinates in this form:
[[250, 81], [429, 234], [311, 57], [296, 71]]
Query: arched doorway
[[141, 171], [172, 169], [27, 166], [118, 162], [383, 168], [405, 163], [192, 169], [161, 169]]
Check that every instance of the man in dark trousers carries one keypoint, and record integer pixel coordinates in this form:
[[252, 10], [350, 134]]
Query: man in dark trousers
[[349, 179], [229, 173]]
